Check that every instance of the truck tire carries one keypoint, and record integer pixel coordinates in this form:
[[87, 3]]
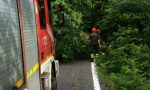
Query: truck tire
[[54, 84], [53, 80]]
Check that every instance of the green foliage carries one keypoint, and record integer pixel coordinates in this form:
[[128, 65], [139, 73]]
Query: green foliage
[[126, 66], [124, 60], [70, 45], [128, 60]]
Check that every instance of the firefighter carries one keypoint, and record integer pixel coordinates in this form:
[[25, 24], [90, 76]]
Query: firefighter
[[94, 42]]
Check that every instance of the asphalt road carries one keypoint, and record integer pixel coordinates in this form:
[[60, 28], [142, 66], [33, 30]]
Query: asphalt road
[[75, 76]]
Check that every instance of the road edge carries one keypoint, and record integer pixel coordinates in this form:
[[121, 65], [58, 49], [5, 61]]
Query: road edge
[[95, 78]]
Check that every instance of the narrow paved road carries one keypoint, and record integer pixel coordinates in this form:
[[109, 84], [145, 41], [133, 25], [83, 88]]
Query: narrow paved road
[[75, 76]]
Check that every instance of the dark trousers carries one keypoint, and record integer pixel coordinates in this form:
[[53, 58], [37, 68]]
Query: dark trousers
[[94, 48]]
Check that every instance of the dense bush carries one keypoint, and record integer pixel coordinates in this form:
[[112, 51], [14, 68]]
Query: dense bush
[[71, 46], [124, 60], [70, 43], [126, 63]]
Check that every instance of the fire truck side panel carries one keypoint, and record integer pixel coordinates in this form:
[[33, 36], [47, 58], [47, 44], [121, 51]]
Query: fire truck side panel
[[44, 39], [49, 30], [11, 59], [31, 44]]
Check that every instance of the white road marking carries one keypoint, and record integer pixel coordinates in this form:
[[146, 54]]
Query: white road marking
[[95, 78]]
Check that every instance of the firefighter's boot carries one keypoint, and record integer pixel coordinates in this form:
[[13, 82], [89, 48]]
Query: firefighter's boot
[[92, 56]]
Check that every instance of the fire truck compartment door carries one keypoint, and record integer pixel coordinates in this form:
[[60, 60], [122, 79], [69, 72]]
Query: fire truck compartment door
[[31, 44]]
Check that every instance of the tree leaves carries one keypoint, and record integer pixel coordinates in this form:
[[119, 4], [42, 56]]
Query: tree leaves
[[125, 56]]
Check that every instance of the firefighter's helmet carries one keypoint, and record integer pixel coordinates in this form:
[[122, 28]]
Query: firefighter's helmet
[[94, 29]]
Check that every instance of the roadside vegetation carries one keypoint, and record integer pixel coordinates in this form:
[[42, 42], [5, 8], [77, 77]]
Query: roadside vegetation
[[124, 59], [71, 41]]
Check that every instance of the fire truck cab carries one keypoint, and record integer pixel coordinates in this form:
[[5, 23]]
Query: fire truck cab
[[27, 48]]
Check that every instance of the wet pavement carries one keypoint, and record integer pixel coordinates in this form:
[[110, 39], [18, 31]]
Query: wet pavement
[[75, 76]]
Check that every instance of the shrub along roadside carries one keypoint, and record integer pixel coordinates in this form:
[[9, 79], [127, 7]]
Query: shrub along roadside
[[123, 64], [124, 60], [70, 44], [123, 72]]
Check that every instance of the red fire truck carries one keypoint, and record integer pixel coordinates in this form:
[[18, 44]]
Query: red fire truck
[[27, 49]]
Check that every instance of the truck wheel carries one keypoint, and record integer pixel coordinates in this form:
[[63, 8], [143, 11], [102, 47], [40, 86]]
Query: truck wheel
[[54, 84], [53, 81]]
